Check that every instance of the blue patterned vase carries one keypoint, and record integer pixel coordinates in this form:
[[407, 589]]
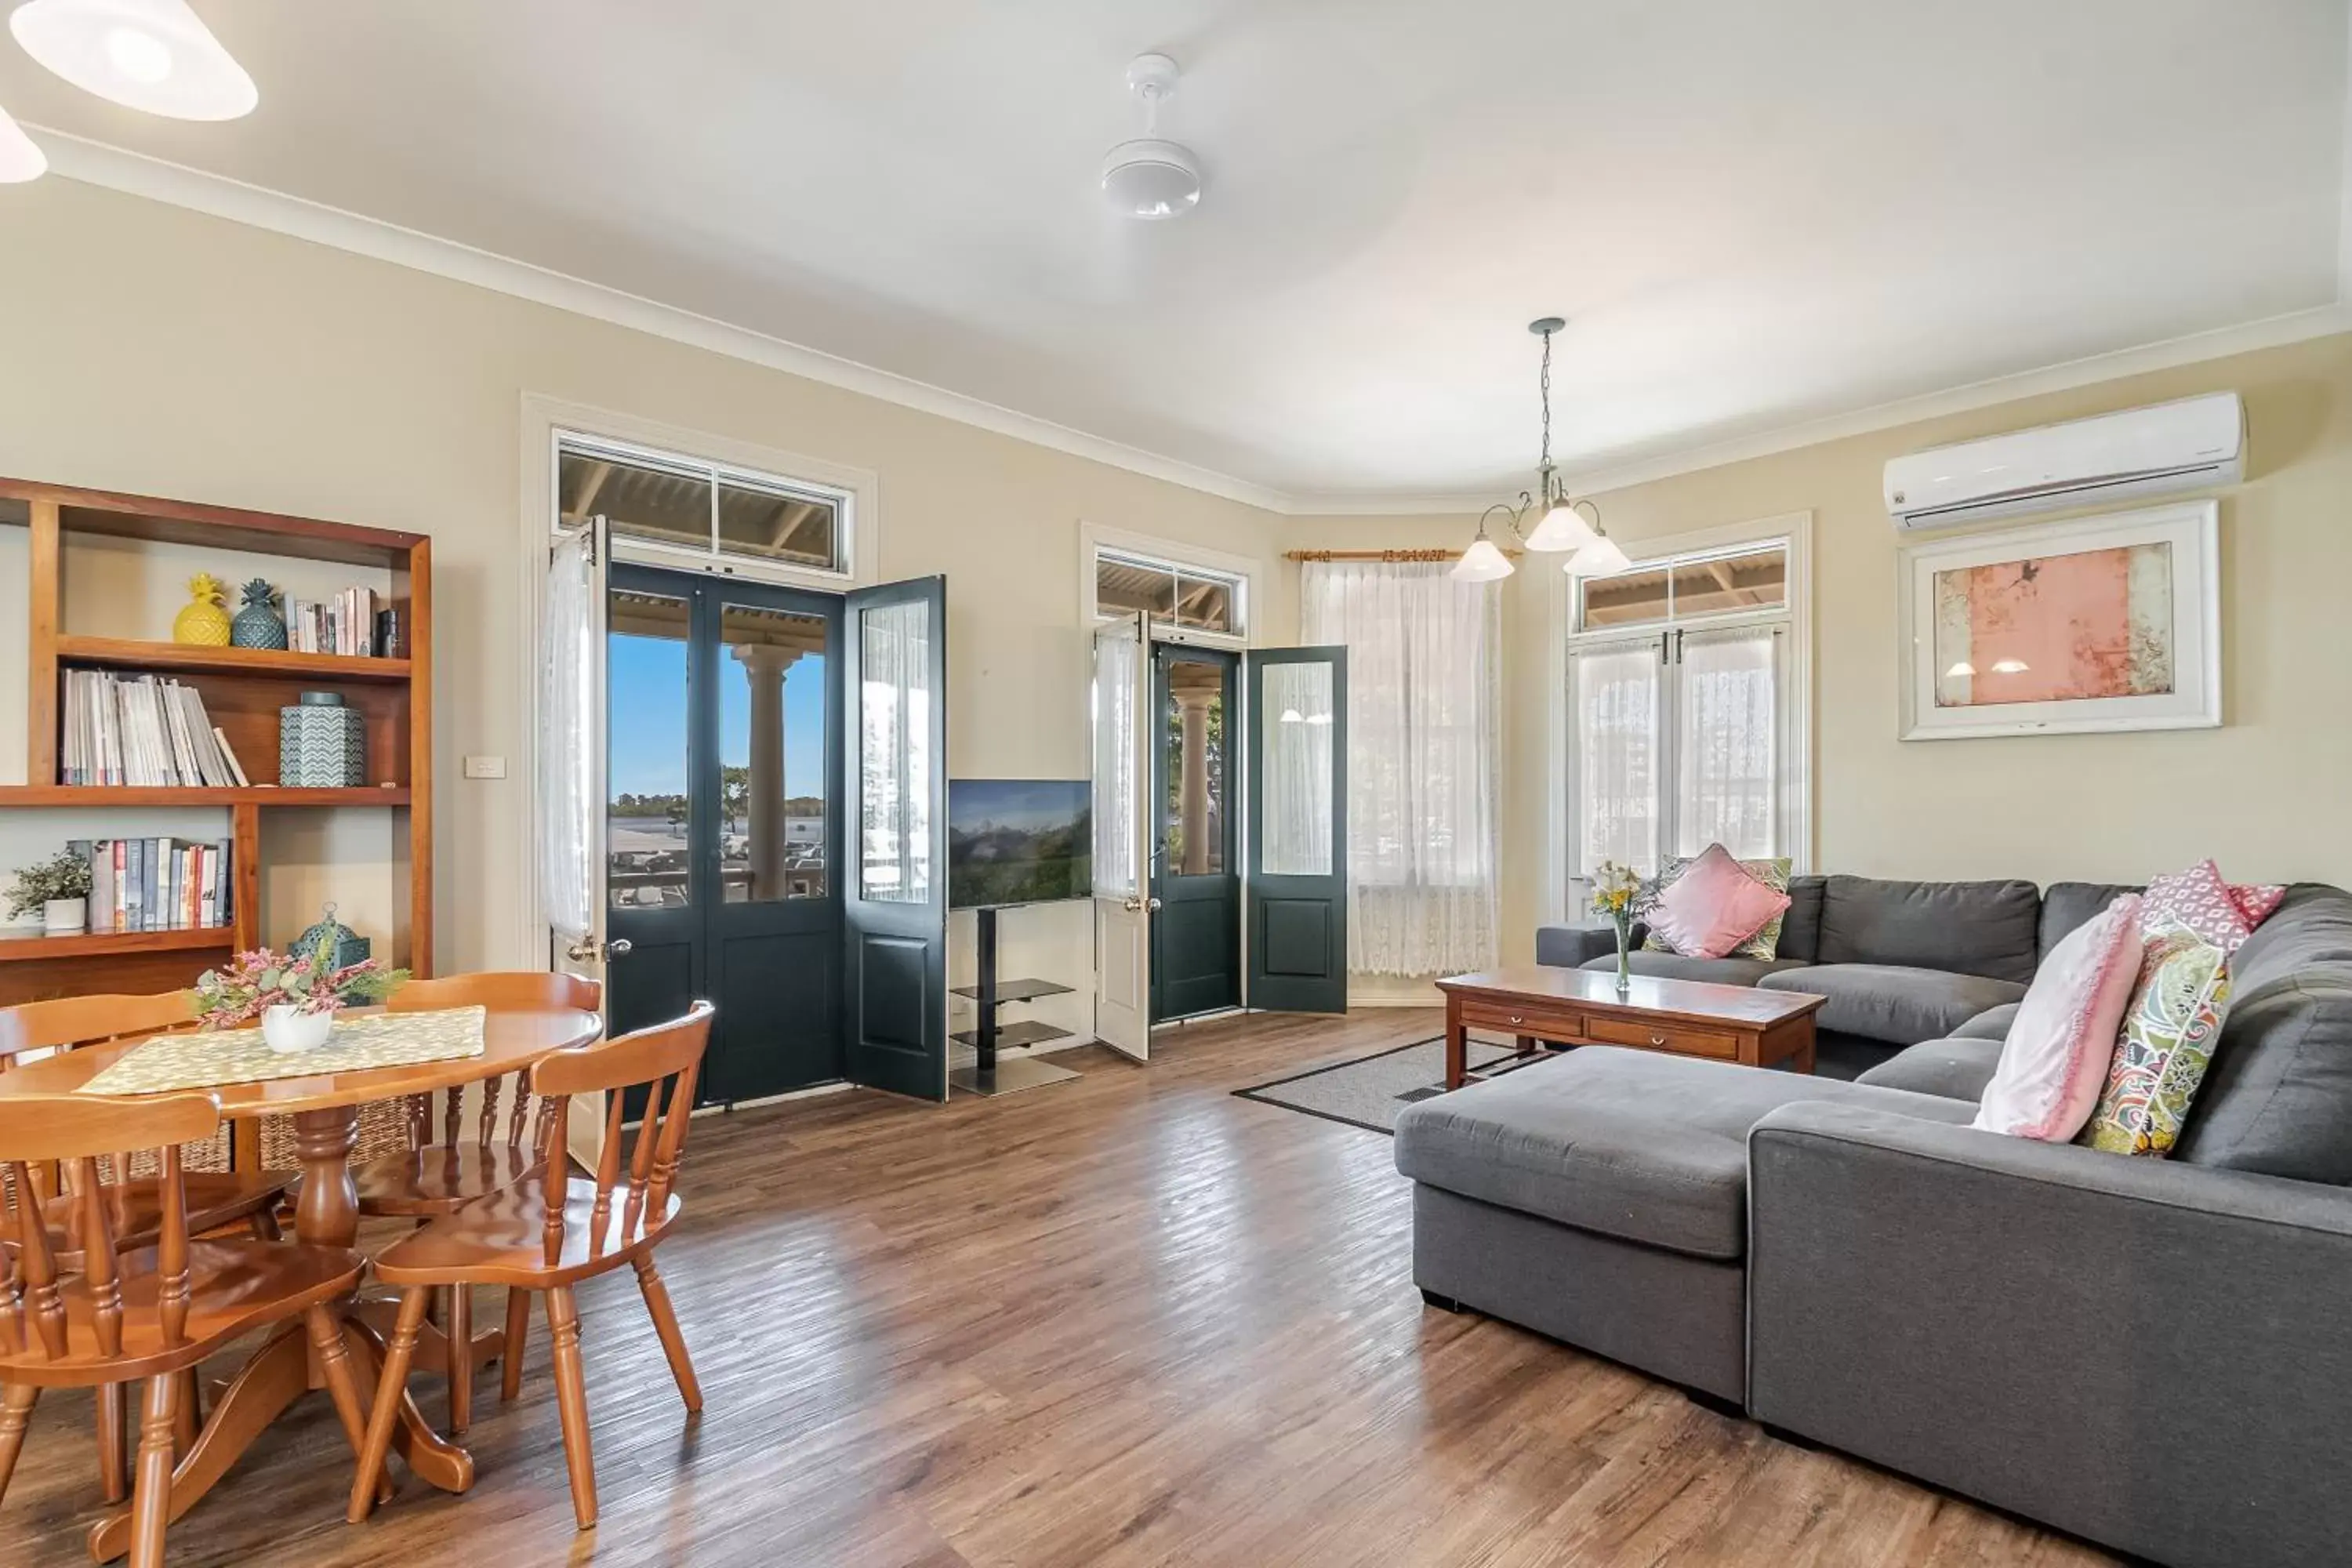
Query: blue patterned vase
[[322, 744], [257, 623]]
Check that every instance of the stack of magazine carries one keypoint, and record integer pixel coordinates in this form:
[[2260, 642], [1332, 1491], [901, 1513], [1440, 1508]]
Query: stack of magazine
[[143, 731], [157, 884]]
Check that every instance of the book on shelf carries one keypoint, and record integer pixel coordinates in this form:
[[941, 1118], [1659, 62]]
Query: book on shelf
[[141, 731], [158, 884], [345, 624]]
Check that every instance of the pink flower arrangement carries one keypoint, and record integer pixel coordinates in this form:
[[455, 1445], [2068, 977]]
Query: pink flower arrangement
[[261, 979]]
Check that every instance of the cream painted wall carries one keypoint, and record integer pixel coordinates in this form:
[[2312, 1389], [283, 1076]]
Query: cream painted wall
[[158, 350], [2266, 794]]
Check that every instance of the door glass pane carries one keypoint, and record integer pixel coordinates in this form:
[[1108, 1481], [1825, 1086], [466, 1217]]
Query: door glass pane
[[895, 766], [1193, 831], [640, 500], [1116, 654], [1757, 580], [779, 525], [647, 696], [1295, 836], [772, 763], [1727, 743], [1613, 719]]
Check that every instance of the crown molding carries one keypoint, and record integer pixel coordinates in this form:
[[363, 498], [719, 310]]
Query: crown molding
[[2275, 331], [134, 173], [176, 185]]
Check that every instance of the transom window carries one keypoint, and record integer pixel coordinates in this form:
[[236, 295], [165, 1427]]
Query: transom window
[[1701, 586], [1171, 593], [683, 507], [1685, 728]]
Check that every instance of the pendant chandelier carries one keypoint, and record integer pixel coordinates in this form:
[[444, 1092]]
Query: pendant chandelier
[[1560, 523]]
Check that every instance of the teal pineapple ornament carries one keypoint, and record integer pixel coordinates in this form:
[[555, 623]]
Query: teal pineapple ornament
[[257, 622]]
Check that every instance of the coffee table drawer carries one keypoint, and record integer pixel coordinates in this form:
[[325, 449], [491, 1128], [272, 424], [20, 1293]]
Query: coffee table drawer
[[1548, 1022], [1679, 1038]]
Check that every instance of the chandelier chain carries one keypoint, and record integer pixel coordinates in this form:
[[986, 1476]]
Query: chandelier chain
[[1545, 464]]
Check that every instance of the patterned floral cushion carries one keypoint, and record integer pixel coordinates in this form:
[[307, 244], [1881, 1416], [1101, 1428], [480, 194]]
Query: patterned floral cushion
[[2169, 1030], [2222, 913], [1766, 944]]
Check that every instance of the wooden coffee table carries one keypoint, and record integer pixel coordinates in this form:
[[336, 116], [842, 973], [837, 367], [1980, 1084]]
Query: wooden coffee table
[[1535, 1003]]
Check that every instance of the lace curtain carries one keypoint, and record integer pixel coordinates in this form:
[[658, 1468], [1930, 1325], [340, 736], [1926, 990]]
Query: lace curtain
[[1116, 654], [1423, 653], [1726, 743], [1615, 693], [567, 738]]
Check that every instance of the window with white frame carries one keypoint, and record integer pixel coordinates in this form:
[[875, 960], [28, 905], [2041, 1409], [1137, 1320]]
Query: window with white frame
[[672, 506], [1685, 725], [1170, 592]]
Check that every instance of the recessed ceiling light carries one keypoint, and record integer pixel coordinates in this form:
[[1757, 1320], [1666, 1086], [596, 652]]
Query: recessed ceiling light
[[1151, 178], [20, 158], [156, 55]]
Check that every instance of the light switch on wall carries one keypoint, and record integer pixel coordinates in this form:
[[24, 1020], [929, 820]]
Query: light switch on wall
[[486, 767]]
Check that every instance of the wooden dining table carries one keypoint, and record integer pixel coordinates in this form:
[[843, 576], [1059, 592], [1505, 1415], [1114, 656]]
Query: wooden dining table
[[326, 1114]]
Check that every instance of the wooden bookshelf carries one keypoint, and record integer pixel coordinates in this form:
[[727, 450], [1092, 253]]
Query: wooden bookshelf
[[242, 690]]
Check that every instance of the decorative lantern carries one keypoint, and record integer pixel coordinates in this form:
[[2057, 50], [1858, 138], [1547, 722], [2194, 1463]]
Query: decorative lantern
[[345, 946], [322, 744]]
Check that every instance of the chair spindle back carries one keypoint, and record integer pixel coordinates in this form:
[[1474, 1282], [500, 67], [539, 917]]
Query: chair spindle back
[[495, 989], [71, 1022], [76, 1131], [664, 1060]]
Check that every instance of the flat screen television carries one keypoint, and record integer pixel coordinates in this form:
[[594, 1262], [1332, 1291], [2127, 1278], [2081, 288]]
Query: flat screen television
[[1019, 841]]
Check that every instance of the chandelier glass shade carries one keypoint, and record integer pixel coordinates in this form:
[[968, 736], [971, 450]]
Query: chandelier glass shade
[[156, 55], [1560, 522]]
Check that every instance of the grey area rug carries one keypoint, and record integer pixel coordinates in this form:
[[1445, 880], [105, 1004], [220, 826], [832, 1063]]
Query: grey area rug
[[1369, 1091]]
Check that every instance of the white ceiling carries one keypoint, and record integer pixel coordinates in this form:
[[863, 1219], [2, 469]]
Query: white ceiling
[[1756, 214]]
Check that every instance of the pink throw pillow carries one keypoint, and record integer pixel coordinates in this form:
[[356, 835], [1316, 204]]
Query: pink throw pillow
[[2055, 1064], [2257, 903], [1714, 906], [2200, 899]]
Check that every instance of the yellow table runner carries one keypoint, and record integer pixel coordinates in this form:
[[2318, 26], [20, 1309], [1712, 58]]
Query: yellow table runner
[[172, 1062]]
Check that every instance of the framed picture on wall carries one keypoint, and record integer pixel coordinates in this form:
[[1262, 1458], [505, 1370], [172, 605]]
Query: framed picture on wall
[[2094, 623]]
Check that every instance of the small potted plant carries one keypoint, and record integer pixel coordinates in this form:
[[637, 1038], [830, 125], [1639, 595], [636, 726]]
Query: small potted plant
[[294, 995], [59, 888], [1616, 894]]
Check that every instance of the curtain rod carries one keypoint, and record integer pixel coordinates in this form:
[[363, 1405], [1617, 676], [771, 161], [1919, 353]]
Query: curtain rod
[[1430, 555]]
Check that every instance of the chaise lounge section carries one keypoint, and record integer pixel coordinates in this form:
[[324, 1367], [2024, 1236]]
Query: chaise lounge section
[[2148, 1353]]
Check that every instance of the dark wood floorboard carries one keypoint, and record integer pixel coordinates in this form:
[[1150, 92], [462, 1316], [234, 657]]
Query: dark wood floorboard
[[1130, 1319]]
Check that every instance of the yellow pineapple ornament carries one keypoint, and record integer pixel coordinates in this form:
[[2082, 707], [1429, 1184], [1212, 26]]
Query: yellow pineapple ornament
[[204, 622]]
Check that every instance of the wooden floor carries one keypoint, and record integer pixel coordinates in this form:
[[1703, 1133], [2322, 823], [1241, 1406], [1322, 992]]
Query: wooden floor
[[1128, 1320]]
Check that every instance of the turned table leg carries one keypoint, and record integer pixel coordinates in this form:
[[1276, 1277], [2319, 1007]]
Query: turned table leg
[[328, 1212]]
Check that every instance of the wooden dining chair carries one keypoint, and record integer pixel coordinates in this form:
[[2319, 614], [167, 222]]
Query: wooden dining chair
[[438, 1178], [214, 1199], [152, 1313], [549, 1233]]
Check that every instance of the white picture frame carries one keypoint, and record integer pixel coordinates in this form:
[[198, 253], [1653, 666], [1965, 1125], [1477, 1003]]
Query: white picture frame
[[2192, 531]]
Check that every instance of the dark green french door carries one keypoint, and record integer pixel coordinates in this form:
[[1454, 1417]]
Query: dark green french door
[[724, 845], [1296, 705], [1195, 877]]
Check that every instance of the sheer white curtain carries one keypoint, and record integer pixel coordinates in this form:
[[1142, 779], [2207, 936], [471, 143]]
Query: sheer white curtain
[[568, 771], [1118, 652], [1725, 743], [1615, 722], [1423, 759]]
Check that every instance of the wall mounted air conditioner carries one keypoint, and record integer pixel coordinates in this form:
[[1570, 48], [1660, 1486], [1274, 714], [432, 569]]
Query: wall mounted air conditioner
[[2195, 444]]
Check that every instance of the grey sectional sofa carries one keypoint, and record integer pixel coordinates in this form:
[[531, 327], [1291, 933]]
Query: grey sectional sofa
[[2154, 1355], [1899, 962]]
